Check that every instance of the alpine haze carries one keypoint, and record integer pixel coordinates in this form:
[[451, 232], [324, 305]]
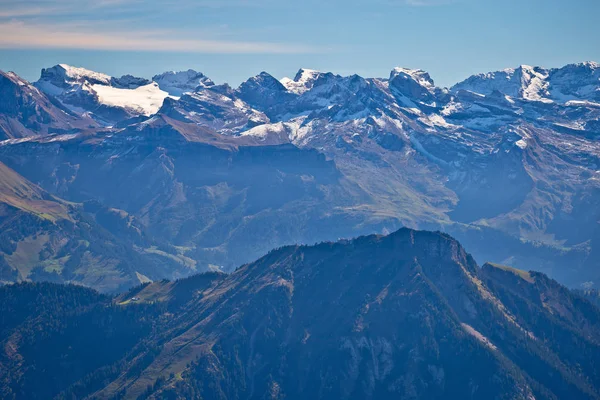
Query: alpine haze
[[213, 176]]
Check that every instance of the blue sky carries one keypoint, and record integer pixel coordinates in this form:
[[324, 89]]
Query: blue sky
[[230, 40]]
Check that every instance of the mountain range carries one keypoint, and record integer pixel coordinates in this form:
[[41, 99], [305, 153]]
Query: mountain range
[[184, 175], [409, 315]]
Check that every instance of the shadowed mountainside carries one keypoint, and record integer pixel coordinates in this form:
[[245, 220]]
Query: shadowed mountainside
[[408, 315]]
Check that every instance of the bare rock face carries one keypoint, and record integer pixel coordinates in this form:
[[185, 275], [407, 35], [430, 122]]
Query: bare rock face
[[264, 92]]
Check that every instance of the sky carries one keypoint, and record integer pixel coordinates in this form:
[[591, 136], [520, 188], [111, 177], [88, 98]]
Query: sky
[[231, 40]]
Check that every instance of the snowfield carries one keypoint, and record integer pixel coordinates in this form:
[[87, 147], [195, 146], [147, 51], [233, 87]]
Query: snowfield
[[145, 100]]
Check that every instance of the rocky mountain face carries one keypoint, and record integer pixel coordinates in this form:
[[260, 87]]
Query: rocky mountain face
[[507, 162], [27, 112], [408, 315]]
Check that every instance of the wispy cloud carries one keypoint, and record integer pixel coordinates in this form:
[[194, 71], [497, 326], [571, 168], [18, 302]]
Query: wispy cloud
[[49, 8], [18, 8], [126, 25], [134, 25], [20, 35], [24, 12]]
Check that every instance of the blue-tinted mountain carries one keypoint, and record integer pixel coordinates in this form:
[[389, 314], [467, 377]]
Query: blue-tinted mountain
[[408, 315]]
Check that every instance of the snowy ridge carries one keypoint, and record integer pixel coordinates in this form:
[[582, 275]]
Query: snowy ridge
[[302, 82], [178, 83], [81, 74], [571, 82], [418, 75], [483, 102]]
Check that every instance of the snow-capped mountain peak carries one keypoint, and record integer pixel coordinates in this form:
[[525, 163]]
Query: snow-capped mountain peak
[[414, 84], [129, 82], [178, 83], [14, 78], [418, 75], [305, 74], [264, 91], [303, 81], [579, 82], [79, 74], [263, 79], [526, 82]]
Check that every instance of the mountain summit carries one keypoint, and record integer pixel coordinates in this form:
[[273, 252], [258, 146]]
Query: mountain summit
[[178, 83]]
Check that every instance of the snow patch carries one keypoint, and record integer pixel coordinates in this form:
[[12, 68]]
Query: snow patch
[[145, 100], [436, 120], [263, 131], [477, 335], [522, 144]]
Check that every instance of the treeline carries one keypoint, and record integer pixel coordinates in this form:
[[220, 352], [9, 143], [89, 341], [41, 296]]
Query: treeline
[[60, 335]]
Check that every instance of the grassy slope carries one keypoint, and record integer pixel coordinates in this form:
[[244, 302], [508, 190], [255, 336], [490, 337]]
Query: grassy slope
[[18, 192]]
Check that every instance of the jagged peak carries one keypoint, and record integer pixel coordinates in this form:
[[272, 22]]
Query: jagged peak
[[592, 64], [21, 85], [189, 73], [261, 77], [306, 73], [78, 74], [506, 73], [585, 64], [177, 83], [527, 67], [265, 74], [303, 81], [418, 75], [525, 81], [414, 84], [260, 82]]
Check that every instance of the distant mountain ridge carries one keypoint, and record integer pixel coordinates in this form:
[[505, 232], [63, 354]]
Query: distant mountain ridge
[[574, 82], [508, 162]]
